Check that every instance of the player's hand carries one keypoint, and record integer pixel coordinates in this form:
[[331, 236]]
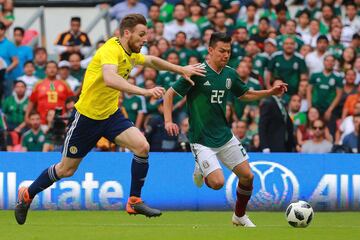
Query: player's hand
[[279, 88], [172, 129], [156, 92], [190, 70]]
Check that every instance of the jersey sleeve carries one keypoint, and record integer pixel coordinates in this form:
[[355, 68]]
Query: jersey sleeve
[[271, 64], [140, 59], [339, 83], [312, 80], [303, 67], [181, 87], [108, 55], [238, 87]]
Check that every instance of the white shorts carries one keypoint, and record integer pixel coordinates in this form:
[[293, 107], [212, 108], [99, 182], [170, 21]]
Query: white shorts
[[231, 154]]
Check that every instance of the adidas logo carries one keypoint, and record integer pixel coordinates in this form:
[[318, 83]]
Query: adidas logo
[[207, 83]]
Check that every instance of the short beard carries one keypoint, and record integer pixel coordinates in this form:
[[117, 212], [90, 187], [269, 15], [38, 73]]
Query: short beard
[[133, 48]]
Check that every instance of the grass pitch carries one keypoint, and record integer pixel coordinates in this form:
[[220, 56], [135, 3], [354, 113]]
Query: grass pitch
[[79, 225]]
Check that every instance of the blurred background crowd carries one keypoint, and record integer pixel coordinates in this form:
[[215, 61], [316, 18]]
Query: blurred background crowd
[[312, 45]]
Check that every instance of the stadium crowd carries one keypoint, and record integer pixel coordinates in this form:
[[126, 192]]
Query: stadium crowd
[[315, 49]]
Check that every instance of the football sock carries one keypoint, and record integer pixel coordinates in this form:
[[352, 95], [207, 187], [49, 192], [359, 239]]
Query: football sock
[[243, 194], [45, 180], [139, 169]]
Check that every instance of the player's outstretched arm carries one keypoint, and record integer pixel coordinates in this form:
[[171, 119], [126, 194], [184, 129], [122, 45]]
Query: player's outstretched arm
[[171, 128], [114, 80], [186, 71], [252, 95]]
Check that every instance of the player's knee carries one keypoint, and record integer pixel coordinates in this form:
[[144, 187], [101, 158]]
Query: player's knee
[[216, 184], [142, 149], [249, 178]]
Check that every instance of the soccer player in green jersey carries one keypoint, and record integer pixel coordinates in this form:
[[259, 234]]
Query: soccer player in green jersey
[[210, 137]]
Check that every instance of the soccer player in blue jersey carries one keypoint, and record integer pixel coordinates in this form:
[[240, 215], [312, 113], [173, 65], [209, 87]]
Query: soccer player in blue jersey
[[211, 139], [97, 114]]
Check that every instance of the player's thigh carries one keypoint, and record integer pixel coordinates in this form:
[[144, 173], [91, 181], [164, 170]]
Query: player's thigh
[[133, 139], [232, 154], [67, 166], [82, 135], [206, 158]]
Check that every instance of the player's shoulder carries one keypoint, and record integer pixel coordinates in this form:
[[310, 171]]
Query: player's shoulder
[[230, 69]]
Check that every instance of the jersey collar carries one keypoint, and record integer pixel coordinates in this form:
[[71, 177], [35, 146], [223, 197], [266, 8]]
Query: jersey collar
[[218, 73]]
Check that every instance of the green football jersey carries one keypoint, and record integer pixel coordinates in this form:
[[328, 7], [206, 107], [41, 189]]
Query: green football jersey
[[260, 63], [289, 70], [133, 105], [166, 12], [184, 55], [14, 109], [324, 89], [237, 53], [206, 104], [33, 142], [336, 50]]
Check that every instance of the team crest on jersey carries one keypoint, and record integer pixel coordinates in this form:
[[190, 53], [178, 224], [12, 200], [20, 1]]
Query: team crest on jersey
[[42, 138], [73, 150], [228, 83], [134, 106], [318, 80], [332, 82], [295, 66], [258, 63], [277, 64]]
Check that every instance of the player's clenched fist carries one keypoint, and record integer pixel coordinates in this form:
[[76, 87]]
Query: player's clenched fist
[[156, 92], [171, 128]]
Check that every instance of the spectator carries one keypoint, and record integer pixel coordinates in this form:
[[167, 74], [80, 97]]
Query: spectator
[[75, 67], [182, 51], [255, 144], [14, 108], [347, 125], [7, 13], [348, 59], [166, 10], [351, 140], [349, 88], [281, 16], [28, 78], [156, 134], [336, 48], [275, 125], [33, 140], [304, 133], [239, 128], [196, 15], [290, 31], [327, 13], [220, 22], [72, 41], [352, 17], [249, 20], [325, 89], [184, 144], [298, 118], [314, 60], [25, 53], [165, 78], [134, 106], [289, 65], [302, 94], [48, 94], [203, 48], [180, 24], [8, 53], [304, 21], [261, 60], [262, 35], [318, 144], [120, 10], [40, 60], [312, 8], [3, 67], [314, 33], [357, 70], [351, 100], [64, 74], [154, 15]]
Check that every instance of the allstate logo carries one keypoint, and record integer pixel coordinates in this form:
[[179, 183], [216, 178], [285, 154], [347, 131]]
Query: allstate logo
[[274, 186]]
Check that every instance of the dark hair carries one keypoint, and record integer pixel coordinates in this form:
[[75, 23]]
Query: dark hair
[[71, 99], [19, 29], [292, 20], [356, 36], [33, 113], [306, 12], [264, 19], [242, 27], [51, 62], [179, 4], [28, 62], [252, 4], [130, 21], [19, 81], [322, 37], [180, 32], [75, 19], [280, 7], [219, 37], [76, 53], [40, 49]]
